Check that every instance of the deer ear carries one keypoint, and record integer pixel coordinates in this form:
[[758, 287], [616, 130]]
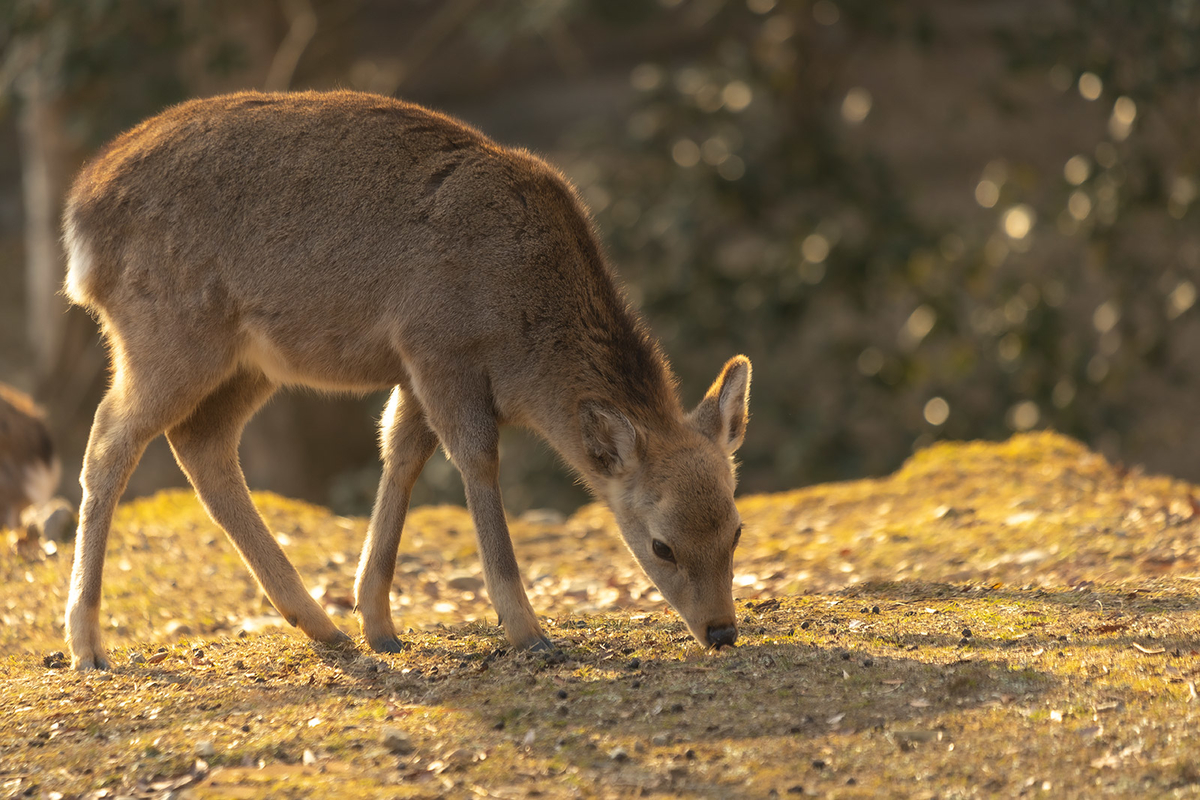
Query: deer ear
[[722, 414], [609, 439]]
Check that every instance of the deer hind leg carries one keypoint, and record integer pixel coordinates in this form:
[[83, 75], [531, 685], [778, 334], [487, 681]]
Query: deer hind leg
[[406, 443], [142, 403], [466, 424], [206, 447]]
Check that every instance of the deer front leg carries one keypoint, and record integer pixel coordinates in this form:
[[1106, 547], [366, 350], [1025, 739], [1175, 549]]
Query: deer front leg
[[500, 569], [468, 428]]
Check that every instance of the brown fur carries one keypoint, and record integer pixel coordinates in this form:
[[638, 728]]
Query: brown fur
[[348, 241], [29, 468]]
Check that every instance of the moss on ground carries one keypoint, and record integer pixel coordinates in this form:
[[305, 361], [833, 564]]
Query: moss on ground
[[992, 620]]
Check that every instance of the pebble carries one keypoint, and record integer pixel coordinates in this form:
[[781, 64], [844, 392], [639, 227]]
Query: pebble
[[177, 627], [660, 739], [618, 754], [466, 583], [459, 757], [309, 758], [137, 658], [396, 741], [205, 750]]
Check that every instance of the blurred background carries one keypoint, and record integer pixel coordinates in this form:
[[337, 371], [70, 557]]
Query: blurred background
[[921, 220]]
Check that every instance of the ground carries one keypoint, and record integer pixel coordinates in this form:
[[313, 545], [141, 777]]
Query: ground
[[1000, 619]]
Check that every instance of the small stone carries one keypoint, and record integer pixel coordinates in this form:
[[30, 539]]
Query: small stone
[[963, 641], [459, 757], [797, 789], [660, 739], [845, 656], [396, 741], [866, 662], [966, 633], [874, 610], [466, 583], [177, 627], [309, 758], [818, 764], [137, 658], [618, 754], [561, 694], [55, 660], [635, 663], [205, 750], [805, 625], [58, 520]]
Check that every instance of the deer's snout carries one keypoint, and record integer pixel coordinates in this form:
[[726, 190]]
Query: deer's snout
[[721, 635]]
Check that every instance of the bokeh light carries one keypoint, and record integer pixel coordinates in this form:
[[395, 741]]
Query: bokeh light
[[856, 105], [937, 411], [1090, 86]]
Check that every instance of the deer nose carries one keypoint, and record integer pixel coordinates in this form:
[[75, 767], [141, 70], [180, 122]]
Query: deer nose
[[722, 635]]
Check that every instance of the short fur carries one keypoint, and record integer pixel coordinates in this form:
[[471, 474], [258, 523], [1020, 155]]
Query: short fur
[[29, 468], [350, 242]]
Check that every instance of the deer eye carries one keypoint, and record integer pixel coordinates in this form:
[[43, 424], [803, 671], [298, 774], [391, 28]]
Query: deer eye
[[662, 551], [737, 537]]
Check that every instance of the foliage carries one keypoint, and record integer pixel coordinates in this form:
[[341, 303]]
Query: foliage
[[763, 197], [921, 221]]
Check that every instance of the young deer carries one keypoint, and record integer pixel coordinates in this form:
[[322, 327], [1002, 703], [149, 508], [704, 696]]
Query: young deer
[[352, 242], [29, 469]]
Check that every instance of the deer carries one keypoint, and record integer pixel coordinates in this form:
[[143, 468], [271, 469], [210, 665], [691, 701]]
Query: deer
[[353, 242], [29, 466]]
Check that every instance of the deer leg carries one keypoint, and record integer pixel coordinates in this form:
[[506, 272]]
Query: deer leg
[[206, 447], [406, 443], [466, 424], [144, 400]]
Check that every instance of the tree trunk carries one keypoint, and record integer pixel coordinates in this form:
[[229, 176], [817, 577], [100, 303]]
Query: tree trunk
[[48, 154]]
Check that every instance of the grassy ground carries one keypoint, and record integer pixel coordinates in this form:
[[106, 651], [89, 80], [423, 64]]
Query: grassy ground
[[992, 620]]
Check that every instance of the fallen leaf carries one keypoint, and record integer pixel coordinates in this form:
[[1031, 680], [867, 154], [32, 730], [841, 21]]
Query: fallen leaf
[[1150, 651]]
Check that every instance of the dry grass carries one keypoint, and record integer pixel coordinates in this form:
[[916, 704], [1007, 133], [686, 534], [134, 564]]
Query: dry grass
[[994, 619]]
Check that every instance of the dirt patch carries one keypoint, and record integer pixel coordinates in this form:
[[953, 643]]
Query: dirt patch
[[992, 619]]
